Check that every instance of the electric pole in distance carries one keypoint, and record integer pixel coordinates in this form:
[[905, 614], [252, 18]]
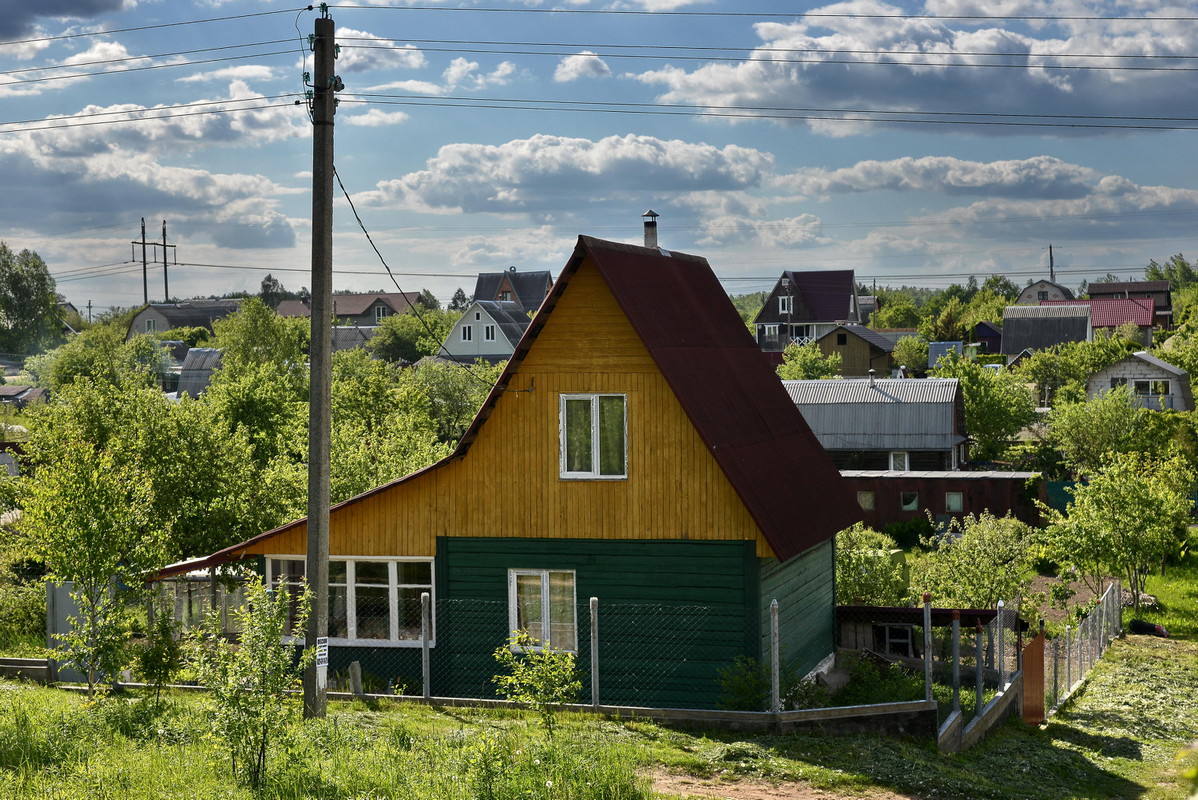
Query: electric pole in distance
[[323, 105]]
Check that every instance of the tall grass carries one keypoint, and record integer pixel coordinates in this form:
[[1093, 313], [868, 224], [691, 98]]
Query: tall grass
[[1177, 595]]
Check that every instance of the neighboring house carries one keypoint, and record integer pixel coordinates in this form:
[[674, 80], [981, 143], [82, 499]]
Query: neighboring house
[[159, 317], [886, 496], [18, 396], [635, 449], [1029, 328], [860, 350], [1040, 291], [1159, 292], [488, 329], [349, 337], [988, 336], [897, 424], [938, 350], [196, 372], [803, 306], [1112, 313], [1156, 384], [867, 304], [356, 310], [526, 289]]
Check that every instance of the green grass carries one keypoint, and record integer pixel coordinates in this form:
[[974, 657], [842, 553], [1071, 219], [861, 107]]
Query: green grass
[[1177, 596], [1117, 738]]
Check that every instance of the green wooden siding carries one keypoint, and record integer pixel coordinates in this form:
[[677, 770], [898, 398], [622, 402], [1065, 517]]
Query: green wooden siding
[[671, 613], [805, 589]]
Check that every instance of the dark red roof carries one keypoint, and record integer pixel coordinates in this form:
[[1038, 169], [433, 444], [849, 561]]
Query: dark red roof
[[733, 398], [1113, 312], [822, 295]]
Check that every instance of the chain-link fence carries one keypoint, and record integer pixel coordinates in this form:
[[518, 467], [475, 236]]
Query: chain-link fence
[[1069, 656]]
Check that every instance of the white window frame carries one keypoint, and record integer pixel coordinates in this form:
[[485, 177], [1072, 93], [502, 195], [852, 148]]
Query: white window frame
[[488, 333], [546, 612], [593, 473], [351, 608], [901, 457], [467, 333], [1143, 387], [785, 304], [151, 325], [948, 506], [381, 312]]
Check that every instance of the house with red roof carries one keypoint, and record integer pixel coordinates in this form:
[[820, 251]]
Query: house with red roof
[[1110, 313], [636, 449], [357, 309]]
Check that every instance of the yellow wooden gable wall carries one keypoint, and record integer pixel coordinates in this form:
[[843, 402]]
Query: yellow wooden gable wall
[[508, 482]]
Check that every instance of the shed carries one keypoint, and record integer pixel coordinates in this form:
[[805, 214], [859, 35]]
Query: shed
[[1156, 384], [886, 423], [1038, 327], [860, 350]]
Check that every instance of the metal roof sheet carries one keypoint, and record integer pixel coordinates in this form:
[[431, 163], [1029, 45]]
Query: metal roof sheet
[[861, 332], [968, 475], [1115, 311], [885, 414], [880, 390], [1046, 311]]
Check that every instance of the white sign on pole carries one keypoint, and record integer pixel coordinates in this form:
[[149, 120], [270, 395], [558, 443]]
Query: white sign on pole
[[322, 661]]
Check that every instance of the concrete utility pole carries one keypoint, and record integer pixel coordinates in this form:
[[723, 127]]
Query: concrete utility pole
[[145, 280], [324, 86], [166, 289]]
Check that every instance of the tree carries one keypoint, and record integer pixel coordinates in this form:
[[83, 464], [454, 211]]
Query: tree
[[1177, 270], [1128, 519], [801, 362], [30, 319], [1002, 286], [272, 292], [1087, 434], [409, 337], [911, 352], [980, 560], [1061, 372], [895, 310], [102, 355], [447, 394], [429, 300], [459, 302], [90, 517], [946, 326], [866, 574], [748, 305], [251, 684], [997, 404]]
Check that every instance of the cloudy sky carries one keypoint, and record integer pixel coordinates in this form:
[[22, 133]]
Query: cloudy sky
[[916, 143]]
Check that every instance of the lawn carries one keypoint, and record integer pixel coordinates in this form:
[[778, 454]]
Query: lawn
[[1117, 738], [1177, 595]]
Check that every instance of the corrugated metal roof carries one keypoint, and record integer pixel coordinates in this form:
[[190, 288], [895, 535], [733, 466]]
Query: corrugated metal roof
[[1046, 311], [968, 475], [1120, 287], [1148, 358], [677, 306], [509, 315], [1113, 312], [889, 414], [1038, 327], [860, 331], [197, 369]]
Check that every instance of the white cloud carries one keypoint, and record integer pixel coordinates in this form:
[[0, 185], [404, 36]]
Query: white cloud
[[464, 74], [534, 175], [830, 62], [375, 118], [362, 51], [581, 65], [245, 72]]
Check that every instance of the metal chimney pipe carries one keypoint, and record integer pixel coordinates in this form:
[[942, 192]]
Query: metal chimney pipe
[[650, 218], [871, 376]]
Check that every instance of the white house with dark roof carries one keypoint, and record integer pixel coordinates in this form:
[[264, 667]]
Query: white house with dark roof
[[488, 330], [1154, 383]]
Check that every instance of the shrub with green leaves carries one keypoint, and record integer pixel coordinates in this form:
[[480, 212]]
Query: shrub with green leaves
[[249, 684], [538, 675], [978, 561], [745, 686], [866, 572]]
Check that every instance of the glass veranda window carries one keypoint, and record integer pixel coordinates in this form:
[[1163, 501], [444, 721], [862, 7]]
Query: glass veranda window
[[594, 436]]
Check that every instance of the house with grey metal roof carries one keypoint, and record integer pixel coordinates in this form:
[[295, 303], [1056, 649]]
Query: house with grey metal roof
[[197, 369], [488, 330], [898, 424], [159, 317], [527, 289], [1042, 290], [1038, 327], [1155, 384]]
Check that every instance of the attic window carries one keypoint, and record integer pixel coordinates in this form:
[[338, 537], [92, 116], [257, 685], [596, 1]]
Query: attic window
[[842, 339], [478, 315], [505, 296], [785, 304], [467, 333], [381, 312], [151, 324], [899, 461], [594, 436]]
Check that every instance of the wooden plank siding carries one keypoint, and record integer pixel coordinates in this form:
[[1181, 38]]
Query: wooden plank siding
[[671, 613], [805, 588], [508, 485]]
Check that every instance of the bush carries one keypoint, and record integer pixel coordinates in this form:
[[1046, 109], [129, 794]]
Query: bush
[[746, 687], [866, 574], [907, 533], [537, 675]]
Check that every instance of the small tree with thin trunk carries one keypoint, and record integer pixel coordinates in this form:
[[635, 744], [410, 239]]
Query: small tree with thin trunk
[[90, 518]]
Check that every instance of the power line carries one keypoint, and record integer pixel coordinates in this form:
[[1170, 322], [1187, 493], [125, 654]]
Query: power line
[[151, 118], [159, 26], [774, 14], [77, 75], [198, 104], [142, 57]]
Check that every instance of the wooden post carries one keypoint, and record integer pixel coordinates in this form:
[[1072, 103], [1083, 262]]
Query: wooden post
[[355, 678], [775, 666]]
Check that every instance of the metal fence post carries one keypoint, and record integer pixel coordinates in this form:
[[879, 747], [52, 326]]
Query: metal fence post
[[927, 645], [1002, 653], [425, 633], [1056, 670], [595, 652], [1102, 623], [956, 660], [978, 666], [775, 666], [1068, 658]]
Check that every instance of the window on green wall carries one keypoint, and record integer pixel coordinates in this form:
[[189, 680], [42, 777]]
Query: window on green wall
[[593, 436], [541, 602], [374, 600]]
